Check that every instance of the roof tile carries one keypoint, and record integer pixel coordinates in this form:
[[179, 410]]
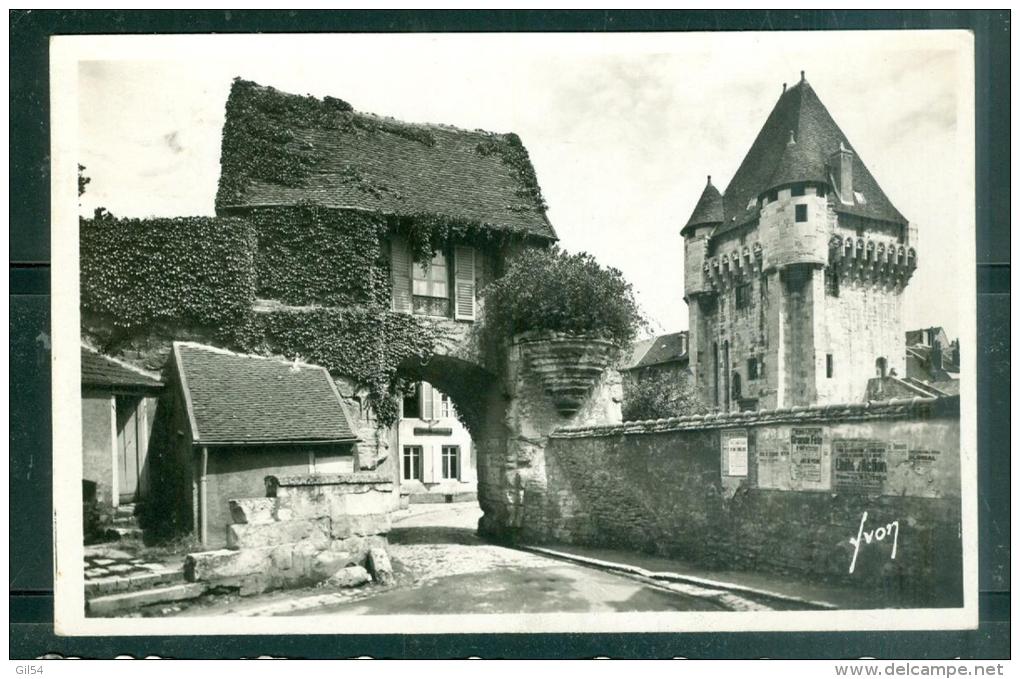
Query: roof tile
[[102, 371], [235, 398], [367, 162]]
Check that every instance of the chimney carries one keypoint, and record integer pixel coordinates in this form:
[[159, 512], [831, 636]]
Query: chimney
[[936, 355], [841, 165]]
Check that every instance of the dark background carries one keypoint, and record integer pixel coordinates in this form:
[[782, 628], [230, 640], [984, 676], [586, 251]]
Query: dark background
[[31, 551]]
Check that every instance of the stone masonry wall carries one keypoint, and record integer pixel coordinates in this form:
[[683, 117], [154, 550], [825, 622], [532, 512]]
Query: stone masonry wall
[[310, 529], [786, 495]]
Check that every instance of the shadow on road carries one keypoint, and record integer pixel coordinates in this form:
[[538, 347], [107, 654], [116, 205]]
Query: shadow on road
[[434, 535]]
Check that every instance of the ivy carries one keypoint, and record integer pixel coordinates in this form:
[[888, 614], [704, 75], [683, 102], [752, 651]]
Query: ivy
[[366, 344], [139, 273], [160, 276], [316, 256], [261, 139], [514, 155], [428, 233]]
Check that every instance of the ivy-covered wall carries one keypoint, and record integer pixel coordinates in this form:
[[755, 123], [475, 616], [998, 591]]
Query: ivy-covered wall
[[141, 273], [164, 276], [316, 256]]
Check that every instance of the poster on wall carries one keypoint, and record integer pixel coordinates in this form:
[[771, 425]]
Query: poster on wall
[[734, 443], [859, 465], [792, 458], [772, 455], [806, 454]]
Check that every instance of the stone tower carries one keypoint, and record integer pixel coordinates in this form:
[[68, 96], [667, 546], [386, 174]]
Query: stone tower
[[794, 276]]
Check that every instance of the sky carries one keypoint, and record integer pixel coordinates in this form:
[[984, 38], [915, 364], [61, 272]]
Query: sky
[[622, 129]]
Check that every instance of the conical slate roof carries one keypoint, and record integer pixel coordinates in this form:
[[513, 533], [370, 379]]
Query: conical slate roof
[[709, 209], [773, 161]]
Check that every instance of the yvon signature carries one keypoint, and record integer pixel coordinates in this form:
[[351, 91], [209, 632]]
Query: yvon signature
[[878, 535]]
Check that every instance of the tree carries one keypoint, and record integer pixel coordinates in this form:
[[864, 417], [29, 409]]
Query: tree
[[656, 395]]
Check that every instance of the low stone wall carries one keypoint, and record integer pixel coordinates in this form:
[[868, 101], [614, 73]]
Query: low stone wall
[[310, 528], [782, 491]]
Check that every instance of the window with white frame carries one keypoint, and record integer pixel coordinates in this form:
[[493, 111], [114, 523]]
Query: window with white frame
[[411, 464], [451, 462]]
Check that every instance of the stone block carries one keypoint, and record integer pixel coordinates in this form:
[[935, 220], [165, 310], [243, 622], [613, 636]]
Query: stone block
[[366, 502], [247, 535], [326, 564], [253, 584], [351, 576], [303, 557], [345, 526], [282, 557], [253, 510], [224, 563], [379, 565], [115, 603], [302, 505]]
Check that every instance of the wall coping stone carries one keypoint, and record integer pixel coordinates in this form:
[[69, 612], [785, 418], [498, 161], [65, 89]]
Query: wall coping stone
[[351, 478], [943, 406]]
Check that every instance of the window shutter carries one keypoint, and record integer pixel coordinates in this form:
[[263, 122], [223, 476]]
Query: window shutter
[[400, 271], [427, 410], [431, 464], [464, 283], [437, 404]]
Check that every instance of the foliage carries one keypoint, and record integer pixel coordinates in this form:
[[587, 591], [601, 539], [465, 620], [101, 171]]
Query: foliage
[[659, 394], [514, 155], [428, 233], [189, 273], [548, 289], [83, 180], [137, 273], [261, 140], [367, 344], [310, 255]]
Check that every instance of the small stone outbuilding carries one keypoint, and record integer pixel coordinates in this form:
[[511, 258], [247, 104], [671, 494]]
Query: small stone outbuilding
[[239, 419]]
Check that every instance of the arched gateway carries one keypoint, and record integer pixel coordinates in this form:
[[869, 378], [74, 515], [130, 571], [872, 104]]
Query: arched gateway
[[361, 245]]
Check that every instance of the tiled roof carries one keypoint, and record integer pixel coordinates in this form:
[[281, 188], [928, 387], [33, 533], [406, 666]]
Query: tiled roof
[[102, 371], [637, 352], [383, 165], [236, 398], [946, 406], [661, 349], [709, 209], [773, 161]]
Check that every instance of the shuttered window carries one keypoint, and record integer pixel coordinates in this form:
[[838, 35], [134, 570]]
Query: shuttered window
[[432, 281], [464, 283], [400, 271]]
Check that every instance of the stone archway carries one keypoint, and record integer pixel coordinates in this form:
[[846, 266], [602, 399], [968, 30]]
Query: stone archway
[[510, 413]]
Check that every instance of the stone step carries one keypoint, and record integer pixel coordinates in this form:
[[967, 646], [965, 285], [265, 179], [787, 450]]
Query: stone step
[[127, 532], [132, 583], [124, 510], [128, 601], [125, 520]]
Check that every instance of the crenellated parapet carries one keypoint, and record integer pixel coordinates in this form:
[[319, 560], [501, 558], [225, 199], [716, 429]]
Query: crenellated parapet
[[872, 260], [737, 264]]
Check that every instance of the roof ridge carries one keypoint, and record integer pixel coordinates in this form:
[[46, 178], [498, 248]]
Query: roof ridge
[[283, 360], [122, 363]]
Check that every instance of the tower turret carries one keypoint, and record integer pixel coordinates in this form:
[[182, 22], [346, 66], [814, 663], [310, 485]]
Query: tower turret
[[708, 214]]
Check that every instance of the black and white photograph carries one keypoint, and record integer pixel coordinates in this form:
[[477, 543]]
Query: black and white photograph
[[511, 332]]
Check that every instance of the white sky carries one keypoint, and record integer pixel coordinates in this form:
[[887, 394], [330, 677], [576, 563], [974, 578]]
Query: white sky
[[622, 129]]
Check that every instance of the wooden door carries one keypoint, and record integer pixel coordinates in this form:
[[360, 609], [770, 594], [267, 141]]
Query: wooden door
[[129, 459]]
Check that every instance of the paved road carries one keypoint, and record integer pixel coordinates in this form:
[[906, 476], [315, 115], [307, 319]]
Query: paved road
[[443, 567]]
